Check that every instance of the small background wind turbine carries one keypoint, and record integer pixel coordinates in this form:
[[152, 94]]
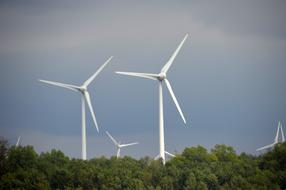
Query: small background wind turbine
[[119, 145], [276, 140], [84, 98], [162, 78]]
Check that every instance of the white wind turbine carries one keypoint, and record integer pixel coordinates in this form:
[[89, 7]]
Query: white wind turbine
[[161, 77], [119, 145], [84, 98], [276, 140]]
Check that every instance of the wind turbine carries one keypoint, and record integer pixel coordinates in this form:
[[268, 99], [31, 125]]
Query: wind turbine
[[84, 98], [162, 78], [18, 141], [118, 144], [276, 140]]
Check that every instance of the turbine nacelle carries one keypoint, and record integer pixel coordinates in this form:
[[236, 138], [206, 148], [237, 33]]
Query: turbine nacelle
[[83, 89], [119, 144]]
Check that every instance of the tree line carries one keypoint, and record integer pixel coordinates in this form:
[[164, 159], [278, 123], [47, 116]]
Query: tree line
[[195, 168]]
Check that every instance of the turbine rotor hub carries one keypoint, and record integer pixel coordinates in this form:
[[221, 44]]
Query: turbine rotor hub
[[162, 76], [83, 88]]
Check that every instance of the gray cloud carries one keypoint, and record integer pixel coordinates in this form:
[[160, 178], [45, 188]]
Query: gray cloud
[[27, 27], [229, 76], [262, 18]]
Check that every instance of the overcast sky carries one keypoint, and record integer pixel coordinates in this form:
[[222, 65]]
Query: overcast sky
[[229, 77]]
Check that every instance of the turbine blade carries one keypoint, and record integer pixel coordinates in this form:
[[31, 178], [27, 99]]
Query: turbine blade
[[113, 140], [144, 75], [282, 134], [169, 63], [265, 147], [88, 81], [172, 155], [277, 133], [68, 86], [175, 99], [18, 141], [130, 144], [87, 98]]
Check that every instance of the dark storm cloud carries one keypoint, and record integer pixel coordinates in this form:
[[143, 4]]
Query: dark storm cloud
[[229, 77]]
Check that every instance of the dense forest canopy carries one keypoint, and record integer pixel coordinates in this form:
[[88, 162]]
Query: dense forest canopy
[[195, 168]]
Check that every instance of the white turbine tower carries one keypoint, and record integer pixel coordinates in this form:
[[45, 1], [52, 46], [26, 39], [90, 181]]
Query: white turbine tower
[[119, 145], [84, 98], [161, 77], [18, 141], [276, 140]]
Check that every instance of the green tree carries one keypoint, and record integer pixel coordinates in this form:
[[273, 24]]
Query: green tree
[[275, 162], [24, 179], [21, 157], [54, 166], [3, 155], [195, 169]]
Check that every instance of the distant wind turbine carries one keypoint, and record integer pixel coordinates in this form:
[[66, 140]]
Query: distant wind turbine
[[118, 144], [18, 141], [84, 98], [276, 140], [162, 77]]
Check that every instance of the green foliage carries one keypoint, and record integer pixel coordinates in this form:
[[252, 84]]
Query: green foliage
[[20, 179], [275, 163], [195, 169], [21, 158], [3, 156]]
